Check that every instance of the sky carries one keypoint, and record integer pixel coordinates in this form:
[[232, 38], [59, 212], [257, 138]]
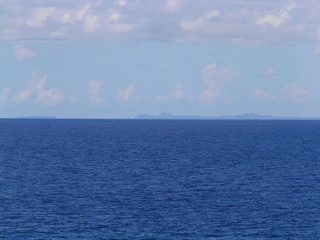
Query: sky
[[121, 58]]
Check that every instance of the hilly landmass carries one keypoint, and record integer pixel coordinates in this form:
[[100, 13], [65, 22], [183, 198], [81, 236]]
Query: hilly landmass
[[247, 116], [36, 117]]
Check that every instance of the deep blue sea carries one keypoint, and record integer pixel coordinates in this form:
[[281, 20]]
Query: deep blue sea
[[159, 179]]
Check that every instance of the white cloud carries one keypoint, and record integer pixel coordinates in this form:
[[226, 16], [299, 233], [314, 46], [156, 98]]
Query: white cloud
[[292, 92], [120, 3], [172, 20], [316, 52], [23, 53], [163, 98], [276, 19], [73, 21], [114, 15], [201, 24], [269, 72], [92, 23], [214, 76], [37, 88], [82, 12], [94, 87], [25, 94], [209, 94], [50, 96], [174, 5], [57, 35], [177, 94], [295, 93], [4, 95], [124, 94], [264, 94], [40, 15]]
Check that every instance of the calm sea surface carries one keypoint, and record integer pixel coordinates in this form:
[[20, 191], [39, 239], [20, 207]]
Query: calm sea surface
[[150, 179]]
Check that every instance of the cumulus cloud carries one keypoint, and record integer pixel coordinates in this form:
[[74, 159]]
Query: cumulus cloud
[[209, 94], [4, 95], [264, 94], [94, 17], [37, 88], [124, 94], [177, 94], [171, 20], [40, 15], [174, 5], [214, 76], [201, 23], [290, 92], [24, 53], [295, 93], [276, 19], [92, 23], [25, 94], [94, 87], [120, 3], [269, 72], [49, 96]]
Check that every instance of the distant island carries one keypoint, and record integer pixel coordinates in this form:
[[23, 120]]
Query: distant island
[[247, 116], [36, 117]]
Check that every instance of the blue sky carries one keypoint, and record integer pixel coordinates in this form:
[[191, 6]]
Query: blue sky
[[118, 58]]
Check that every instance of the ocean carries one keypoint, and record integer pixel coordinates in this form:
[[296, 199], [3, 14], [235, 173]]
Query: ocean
[[159, 179]]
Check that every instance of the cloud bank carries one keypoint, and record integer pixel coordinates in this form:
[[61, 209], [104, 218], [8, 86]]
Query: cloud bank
[[242, 21]]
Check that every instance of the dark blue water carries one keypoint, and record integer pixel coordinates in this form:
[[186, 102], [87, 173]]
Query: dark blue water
[[138, 179]]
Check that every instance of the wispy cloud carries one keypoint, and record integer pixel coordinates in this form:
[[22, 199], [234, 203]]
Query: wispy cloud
[[124, 94], [48, 96], [24, 53], [269, 72], [201, 24], [214, 76], [276, 18], [120, 2], [177, 94], [316, 52], [4, 94], [295, 93], [259, 93], [174, 5], [25, 94], [37, 88], [41, 16], [94, 87]]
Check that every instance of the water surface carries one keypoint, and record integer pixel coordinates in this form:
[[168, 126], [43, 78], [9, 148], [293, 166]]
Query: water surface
[[166, 179]]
